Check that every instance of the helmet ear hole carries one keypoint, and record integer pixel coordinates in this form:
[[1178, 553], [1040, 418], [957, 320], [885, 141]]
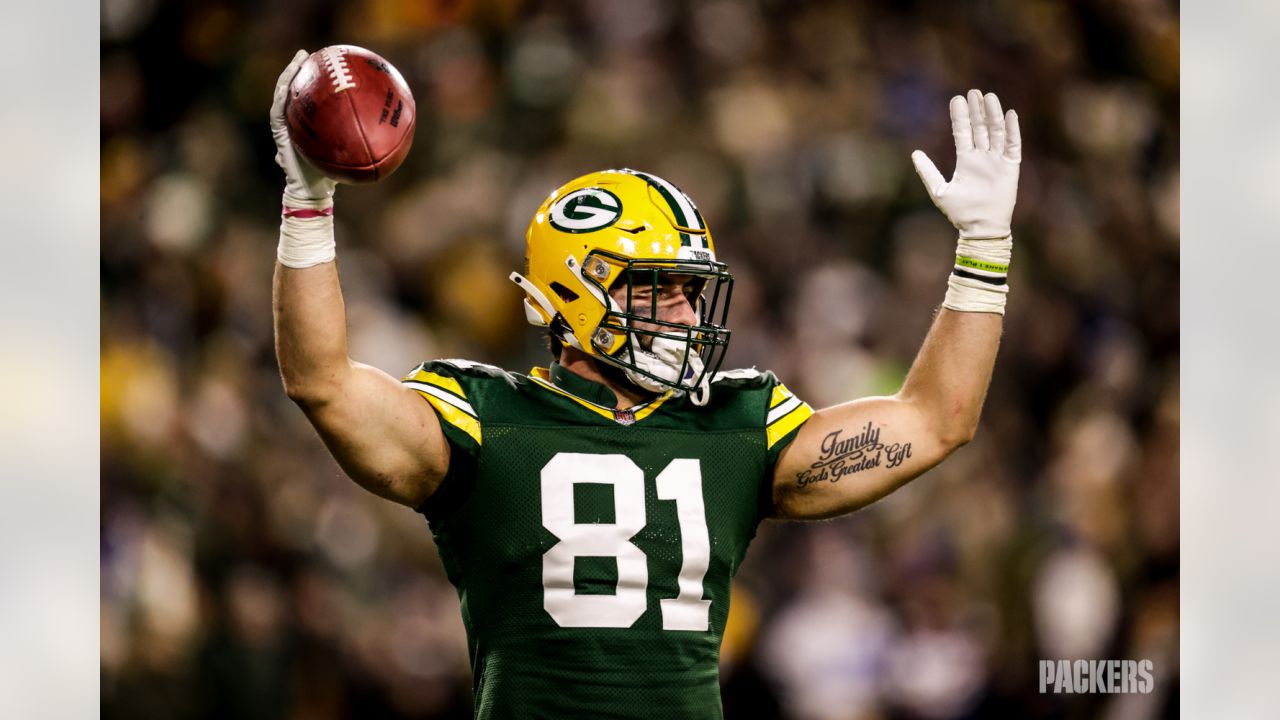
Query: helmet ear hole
[[565, 293]]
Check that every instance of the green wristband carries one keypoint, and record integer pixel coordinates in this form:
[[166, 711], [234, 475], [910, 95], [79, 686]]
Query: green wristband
[[984, 265]]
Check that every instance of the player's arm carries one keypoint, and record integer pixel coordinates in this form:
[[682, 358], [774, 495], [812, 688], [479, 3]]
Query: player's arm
[[853, 454], [850, 455], [381, 432]]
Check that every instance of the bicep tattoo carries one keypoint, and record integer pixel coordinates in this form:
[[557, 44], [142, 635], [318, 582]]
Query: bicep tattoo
[[843, 455]]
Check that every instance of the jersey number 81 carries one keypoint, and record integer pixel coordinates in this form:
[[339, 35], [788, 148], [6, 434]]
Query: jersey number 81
[[680, 481]]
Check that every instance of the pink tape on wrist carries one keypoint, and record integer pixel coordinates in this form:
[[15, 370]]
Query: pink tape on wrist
[[305, 213]]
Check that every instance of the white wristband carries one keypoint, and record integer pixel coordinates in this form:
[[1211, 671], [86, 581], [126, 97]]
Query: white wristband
[[306, 233], [978, 282]]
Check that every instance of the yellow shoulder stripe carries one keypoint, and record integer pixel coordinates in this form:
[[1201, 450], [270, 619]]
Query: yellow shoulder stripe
[[780, 394], [446, 396], [783, 426], [455, 417], [438, 380]]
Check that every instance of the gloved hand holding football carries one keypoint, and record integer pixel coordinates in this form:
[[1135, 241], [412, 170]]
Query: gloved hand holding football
[[348, 111]]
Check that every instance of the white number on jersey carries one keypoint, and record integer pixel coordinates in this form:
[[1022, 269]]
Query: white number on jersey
[[681, 481]]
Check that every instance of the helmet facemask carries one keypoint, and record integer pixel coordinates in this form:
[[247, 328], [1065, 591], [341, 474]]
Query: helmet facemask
[[658, 354]]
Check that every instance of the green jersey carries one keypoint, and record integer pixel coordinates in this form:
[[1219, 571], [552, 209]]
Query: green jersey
[[593, 549]]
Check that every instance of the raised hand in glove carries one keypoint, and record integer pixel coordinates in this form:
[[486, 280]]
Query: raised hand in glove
[[306, 222], [979, 198], [305, 186]]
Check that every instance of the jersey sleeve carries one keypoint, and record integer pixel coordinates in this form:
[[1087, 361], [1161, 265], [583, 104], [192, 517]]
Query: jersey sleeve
[[759, 401], [786, 415], [442, 385], [452, 393]]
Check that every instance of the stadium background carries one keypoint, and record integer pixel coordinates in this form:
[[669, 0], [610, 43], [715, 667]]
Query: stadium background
[[243, 576]]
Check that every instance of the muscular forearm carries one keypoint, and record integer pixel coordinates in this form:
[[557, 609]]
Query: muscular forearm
[[311, 331], [948, 380]]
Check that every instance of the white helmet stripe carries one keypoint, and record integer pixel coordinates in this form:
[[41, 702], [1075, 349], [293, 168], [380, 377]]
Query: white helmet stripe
[[690, 218], [686, 213]]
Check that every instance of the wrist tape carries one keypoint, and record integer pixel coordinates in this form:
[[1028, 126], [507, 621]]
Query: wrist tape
[[979, 280], [306, 232]]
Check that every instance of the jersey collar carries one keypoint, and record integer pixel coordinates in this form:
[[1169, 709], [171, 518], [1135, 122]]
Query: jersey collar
[[588, 390], [593, 396]]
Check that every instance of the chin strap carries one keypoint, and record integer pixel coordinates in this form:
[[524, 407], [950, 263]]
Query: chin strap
[[702, 393], [664, 361]]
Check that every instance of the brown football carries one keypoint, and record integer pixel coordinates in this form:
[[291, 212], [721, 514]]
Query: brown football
[[351, 114]]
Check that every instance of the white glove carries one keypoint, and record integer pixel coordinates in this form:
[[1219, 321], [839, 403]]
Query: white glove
[[306, 222], [979, 199], [305, 187]]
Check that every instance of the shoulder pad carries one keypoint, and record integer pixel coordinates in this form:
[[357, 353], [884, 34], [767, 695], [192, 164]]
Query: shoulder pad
[[459, 390], [739, 374], [767, 399], [478, 368], [744, 378]]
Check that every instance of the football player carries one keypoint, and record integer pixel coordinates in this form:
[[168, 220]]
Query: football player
[[592, 513]]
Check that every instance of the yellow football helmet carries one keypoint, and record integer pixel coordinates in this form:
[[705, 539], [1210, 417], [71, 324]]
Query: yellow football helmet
[[627, 226]]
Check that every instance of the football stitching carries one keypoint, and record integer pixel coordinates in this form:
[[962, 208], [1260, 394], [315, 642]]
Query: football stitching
[[335, 59], [364, 138], [374, 166]]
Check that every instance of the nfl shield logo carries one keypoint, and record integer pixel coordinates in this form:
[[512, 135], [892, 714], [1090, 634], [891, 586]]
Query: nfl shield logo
[[624, 417]]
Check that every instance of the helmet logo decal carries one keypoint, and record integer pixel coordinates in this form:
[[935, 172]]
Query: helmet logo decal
[[586, 210]]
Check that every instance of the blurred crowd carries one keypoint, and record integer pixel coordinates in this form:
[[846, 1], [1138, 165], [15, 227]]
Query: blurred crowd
[[243, 576]]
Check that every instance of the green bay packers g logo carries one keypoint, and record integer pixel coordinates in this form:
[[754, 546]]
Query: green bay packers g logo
[[586, 210]]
